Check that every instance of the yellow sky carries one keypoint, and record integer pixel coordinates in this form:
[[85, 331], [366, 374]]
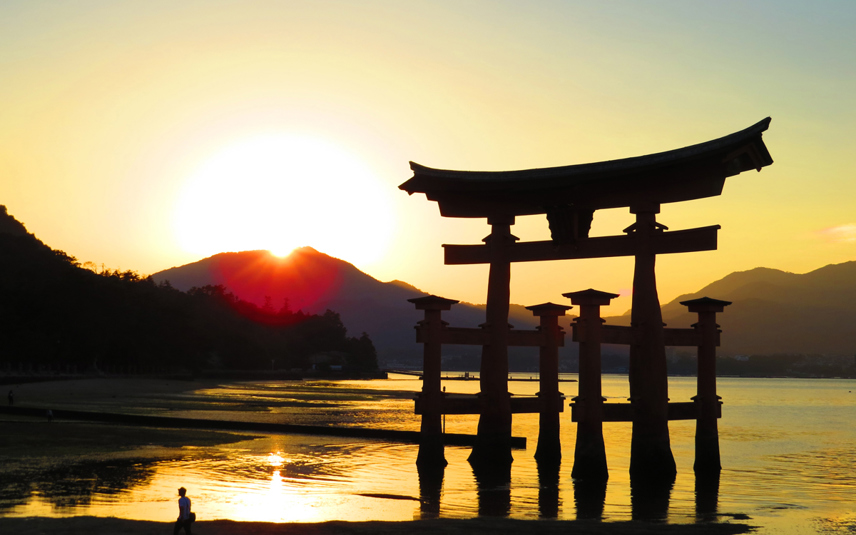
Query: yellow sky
[[111, 112]]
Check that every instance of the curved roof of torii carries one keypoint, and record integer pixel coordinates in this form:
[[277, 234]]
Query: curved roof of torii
[[678, 175]]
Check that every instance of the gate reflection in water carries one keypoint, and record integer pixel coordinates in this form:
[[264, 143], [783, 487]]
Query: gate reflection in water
[[784, 471]]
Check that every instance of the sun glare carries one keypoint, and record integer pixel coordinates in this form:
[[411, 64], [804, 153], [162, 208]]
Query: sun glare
[[280, 192]]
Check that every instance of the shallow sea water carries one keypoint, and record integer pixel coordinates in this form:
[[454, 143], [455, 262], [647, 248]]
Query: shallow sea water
[[788, 451]]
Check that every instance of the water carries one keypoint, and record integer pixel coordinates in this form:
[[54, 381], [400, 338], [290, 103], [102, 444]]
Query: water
[[788, 451]]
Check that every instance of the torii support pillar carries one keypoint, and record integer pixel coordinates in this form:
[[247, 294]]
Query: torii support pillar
[[549, 449], [650, 449], [707, 434], [590, 453], [431, 437], [493, 445]]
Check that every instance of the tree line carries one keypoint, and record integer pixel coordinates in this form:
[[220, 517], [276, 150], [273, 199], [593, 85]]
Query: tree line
[[54, 311]]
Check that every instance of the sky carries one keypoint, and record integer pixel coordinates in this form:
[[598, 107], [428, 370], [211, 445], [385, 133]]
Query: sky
[[147, 135]]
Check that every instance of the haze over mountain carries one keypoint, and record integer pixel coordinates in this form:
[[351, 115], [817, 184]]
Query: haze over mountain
[[773, 312]]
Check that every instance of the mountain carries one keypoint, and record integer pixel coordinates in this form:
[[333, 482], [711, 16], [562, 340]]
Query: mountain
[[58, 317], [773, 311], [776, 312], [313, 282], [9, 225]]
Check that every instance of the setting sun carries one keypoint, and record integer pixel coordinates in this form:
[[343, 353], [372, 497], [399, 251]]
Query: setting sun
[[279, 192]]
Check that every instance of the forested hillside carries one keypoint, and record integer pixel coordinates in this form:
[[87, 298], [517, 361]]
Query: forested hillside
[[54, 312]]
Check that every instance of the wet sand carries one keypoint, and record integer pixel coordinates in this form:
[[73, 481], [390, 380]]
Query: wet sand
[[478, 526], [104, 391]]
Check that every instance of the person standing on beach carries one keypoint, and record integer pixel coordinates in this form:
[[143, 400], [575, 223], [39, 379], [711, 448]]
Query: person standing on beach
[[184, 518], [11, 398]]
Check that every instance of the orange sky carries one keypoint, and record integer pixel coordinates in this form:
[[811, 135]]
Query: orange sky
[[145, 135]]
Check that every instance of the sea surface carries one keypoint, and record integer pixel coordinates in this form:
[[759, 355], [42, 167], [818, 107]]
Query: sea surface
[[788, 450]]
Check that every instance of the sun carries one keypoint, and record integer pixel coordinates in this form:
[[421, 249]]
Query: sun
[[280, 192]]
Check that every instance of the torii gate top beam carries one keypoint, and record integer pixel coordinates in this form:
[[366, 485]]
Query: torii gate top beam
[[692, 172]]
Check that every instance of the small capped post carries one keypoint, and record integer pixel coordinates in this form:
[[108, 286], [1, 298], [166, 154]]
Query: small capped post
[[549, 444], [429, 332], [590, 452], [707, 459]]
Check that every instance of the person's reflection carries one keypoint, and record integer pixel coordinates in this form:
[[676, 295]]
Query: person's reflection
[[707, 496], [430, 490], [548, 489], [494, 488], [589, 497], [649, 498]]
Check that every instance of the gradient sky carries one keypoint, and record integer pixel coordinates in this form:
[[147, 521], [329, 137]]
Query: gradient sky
[[146, 135]]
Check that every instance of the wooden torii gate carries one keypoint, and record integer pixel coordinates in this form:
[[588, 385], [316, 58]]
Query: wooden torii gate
[[569, 196]]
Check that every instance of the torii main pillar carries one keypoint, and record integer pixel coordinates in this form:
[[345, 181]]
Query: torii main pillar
[[650, 449], [493, 445]]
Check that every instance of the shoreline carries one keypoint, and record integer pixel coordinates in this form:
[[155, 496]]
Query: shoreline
[[477, 526]]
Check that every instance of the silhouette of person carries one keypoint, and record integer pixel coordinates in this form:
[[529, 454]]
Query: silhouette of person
[[184, 518], [50, 415], [11, 398]]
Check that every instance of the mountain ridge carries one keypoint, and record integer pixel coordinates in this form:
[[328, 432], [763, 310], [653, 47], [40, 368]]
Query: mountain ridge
[[773, 311], [778, 312], [313, 281]]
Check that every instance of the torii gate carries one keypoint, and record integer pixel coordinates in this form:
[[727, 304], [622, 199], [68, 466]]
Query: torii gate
[[569, 197]]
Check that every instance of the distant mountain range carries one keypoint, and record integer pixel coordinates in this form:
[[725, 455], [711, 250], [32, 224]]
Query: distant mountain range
[[776, 312], [773, 312]]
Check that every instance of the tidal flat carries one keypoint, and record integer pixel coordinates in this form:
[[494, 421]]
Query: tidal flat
[[786, 448]]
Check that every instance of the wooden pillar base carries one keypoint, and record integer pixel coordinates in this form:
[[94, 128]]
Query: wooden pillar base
[[431, 452], [549, 448], [590, 454], [651, 453], [707, 460], [491, 450]]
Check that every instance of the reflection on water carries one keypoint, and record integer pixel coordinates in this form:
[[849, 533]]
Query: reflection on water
[[549, 502], [788, 456], [707, 496], [649, 499], [70, 487], [590, 498], [430, 491], [493, 489]]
